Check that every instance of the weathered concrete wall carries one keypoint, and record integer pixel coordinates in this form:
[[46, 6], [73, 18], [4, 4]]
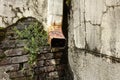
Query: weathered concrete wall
[[13, 10], [94, 40]]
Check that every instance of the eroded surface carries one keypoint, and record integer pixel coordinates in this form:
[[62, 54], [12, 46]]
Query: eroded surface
[[13, 10]]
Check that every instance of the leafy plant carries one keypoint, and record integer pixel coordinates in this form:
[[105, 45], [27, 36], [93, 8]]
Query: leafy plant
[[35, 38], [68, 2], [1, 28]]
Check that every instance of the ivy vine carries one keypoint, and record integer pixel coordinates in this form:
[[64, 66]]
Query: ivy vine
[[35, 37]]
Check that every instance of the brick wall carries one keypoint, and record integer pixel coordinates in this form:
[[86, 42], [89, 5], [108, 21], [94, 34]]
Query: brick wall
[[13, 58]]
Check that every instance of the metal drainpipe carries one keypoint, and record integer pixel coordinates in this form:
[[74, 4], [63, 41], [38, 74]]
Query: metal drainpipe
[[54, 24]]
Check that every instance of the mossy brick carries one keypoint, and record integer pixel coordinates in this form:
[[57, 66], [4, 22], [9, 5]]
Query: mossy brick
[[11, 67], [40, 70], [19, 59], [11, 35], [5, 61], [15, 52], [19, 74], [4, 70], [41, 57], [50, 62], [20, 43], [15, 67], [26, 65], [46, 48], [58, 55], [42, 76], [58, 61], [50, 68], [22, 78], [8, 44], [54, 74], [40, 63], [49, 55]]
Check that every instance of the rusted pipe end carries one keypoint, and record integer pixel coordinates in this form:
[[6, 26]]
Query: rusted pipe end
[[55, 37]]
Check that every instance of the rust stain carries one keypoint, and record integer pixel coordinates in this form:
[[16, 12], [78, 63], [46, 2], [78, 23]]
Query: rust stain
[[55, 32]]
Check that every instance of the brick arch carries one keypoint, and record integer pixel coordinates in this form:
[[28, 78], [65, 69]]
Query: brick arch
[[50, 65], [26, 20]]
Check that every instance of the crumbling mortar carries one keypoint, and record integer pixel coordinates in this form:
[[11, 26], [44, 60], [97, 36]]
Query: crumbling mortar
[[3, 20], [14, 11], [19, 11], [35, 6]]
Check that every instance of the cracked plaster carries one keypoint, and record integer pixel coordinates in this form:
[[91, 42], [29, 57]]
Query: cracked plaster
[[96, 25], [94, 41], [13, 10]]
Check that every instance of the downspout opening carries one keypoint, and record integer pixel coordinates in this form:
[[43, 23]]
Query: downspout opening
[[58, 43]]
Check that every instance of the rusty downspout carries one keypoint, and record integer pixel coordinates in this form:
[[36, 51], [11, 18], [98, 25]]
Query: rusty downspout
[[54, 24]]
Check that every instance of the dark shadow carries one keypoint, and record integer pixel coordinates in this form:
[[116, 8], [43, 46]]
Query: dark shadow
[[56, 43], [68, 75]]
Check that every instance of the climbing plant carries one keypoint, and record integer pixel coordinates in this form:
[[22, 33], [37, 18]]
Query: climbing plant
[[68, 2], [35, 38]]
